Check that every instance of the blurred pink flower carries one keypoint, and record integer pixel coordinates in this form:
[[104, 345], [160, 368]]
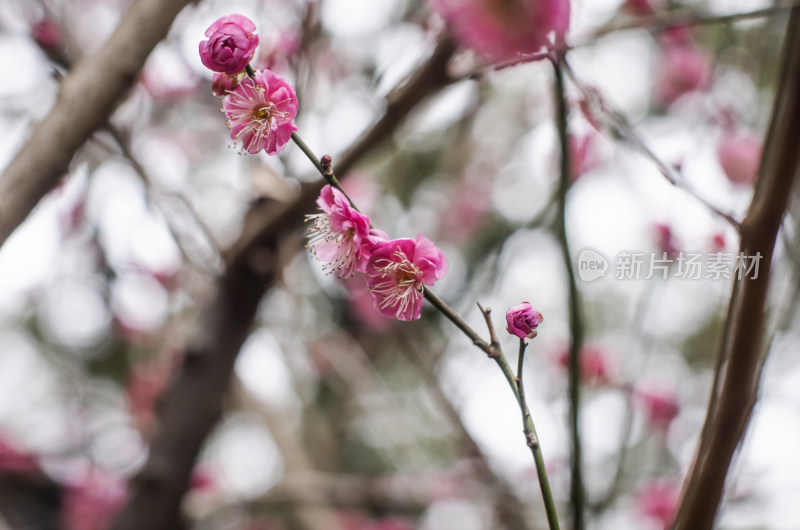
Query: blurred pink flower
[[15, 460], [658, 500], [522, 320], [718, 242], [580, 151], [203, 479], [739, 154], [397, 271], [638, 7], [145, 383], [594, 364], [660, 405], [502, 29], [277, 50], [340, 236], [681, 69], [666, 240], [47, 33], [91, 503], [468, 210], [260, 112], [231, 44]]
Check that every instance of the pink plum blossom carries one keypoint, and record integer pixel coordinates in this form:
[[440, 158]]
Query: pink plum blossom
[[660, 406], [340, 235], [91, 503], [15, 460], [503, 29], [666, 240], [594, 364], [658, 501], [638, 7], [681, 69], [739, 154], [523, 320], [230, 46], [718, 242], [47, 33], [580, 151], [397, 271], [469, 208], [260, 112]]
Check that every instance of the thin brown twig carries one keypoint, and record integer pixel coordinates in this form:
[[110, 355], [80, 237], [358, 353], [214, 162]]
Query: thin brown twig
[[618, 123], [682, 17]]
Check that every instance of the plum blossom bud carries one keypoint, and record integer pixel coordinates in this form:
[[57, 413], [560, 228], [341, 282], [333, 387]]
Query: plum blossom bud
[[682, 69], [523, 320], [221, 83], [230, 46]]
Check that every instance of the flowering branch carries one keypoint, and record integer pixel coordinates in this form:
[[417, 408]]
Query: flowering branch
[[324, 166], [397, 273], [193, 403]]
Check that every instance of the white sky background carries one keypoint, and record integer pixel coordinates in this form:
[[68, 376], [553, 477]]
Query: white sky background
[[611, 209]]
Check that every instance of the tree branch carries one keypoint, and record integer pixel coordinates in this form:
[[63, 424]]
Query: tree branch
[[88, 97], [743, 343]]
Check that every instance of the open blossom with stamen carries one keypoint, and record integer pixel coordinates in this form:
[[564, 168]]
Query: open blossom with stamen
[[340, 235], [260, 111], [397, 271]]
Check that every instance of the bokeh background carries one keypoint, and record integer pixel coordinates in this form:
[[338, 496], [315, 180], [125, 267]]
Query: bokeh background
[[338, 417]]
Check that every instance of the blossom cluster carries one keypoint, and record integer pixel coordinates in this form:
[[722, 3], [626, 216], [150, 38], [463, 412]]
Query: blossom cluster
[[395, 269], [259, 105]]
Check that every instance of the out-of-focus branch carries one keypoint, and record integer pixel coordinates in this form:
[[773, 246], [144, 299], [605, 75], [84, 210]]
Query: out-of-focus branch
[[312, 514], [618, 123], [577, 493], [87, 98], [683, 17], [743, 344], [193, 403], [394, 494]]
